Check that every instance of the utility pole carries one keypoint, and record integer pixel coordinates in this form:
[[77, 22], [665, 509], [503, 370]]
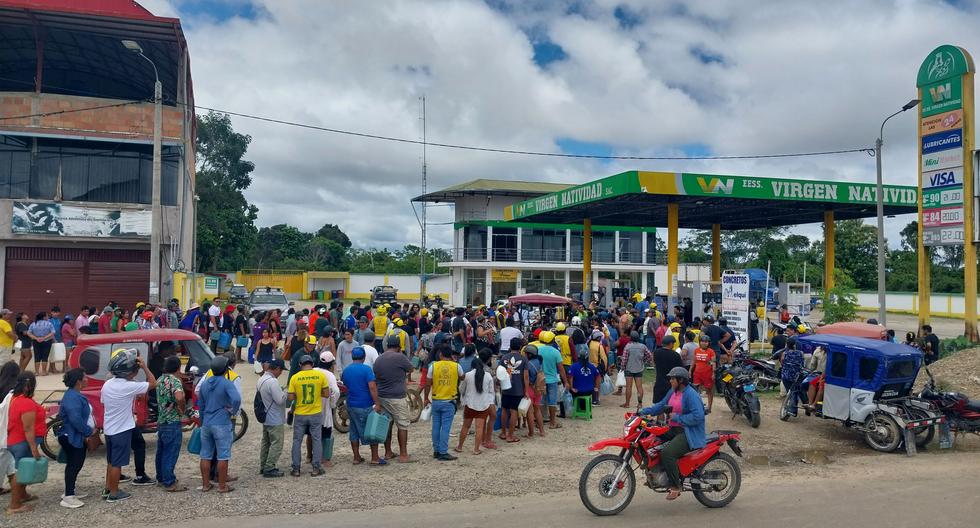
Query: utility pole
[[424, 185]]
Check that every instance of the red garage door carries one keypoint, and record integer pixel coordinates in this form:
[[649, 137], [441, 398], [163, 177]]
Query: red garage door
[[38, 278]]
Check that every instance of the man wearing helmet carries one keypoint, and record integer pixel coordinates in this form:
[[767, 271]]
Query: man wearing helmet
[[119, 426], [686, 425]]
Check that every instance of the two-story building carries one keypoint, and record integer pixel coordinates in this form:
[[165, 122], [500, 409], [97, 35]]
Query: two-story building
[[76, 153], [493, 259]]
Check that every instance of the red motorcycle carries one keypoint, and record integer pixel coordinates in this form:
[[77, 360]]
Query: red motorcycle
[[962, 414], [608, 482]]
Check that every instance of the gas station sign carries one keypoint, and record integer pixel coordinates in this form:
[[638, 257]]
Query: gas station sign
[[735, 301]]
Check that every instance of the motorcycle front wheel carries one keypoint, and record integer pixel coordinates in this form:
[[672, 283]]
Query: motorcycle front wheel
[[341, 420], [598, 489], [726, 477], [752, 411]]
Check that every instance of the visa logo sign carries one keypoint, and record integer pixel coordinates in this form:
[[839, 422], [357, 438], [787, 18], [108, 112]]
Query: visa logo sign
[[941, 92], [716, 185], [943, 178]]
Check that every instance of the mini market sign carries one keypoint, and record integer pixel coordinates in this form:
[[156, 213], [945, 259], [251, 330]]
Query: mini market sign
[[712, 185]]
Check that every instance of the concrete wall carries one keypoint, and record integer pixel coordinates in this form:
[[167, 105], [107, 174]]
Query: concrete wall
[[408, 286], [941, 304]]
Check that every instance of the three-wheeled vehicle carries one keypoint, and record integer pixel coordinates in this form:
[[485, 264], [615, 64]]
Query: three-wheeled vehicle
[[92, 354], [868, 385]]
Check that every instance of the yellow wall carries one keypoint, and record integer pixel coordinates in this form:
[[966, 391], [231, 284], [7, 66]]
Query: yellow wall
[[292, 283]]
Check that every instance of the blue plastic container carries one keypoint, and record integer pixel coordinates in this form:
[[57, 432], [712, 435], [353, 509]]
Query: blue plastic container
[[32, 470], [327, 443], [376, 431], [194, 444]]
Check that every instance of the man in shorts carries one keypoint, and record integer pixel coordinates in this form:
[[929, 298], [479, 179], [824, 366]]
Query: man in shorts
[[510, 398], [554, 372], [119, 425], [219, 400], [391, 371]]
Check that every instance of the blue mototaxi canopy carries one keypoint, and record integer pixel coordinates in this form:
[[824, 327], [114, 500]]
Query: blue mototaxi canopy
[[856, 349]]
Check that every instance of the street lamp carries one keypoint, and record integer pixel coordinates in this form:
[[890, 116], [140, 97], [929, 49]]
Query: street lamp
[[156, 223], [881, 214]]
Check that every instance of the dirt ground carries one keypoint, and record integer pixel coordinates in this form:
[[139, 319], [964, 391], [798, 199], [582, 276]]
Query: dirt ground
[[539, 464]]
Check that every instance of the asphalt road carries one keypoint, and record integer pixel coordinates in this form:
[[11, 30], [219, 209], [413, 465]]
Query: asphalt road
[[934, 489]]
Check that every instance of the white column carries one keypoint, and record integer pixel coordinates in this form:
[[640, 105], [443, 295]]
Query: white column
[[616, 247], [489, 243], [568, 245], [643, 280], [519, 236], [487, 288], [568, 281], [643, 247]]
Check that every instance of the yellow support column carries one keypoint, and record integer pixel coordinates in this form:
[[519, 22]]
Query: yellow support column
[[969, 248], [673, 220], [716, 252], [828, 242], [586, 256]]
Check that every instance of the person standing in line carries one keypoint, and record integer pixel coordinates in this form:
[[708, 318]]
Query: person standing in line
[[362, 397], [443, 384], [636, 356], [477, 398], [664, 360], [510, 397], [391, 371], [241, 331], [25, 429], [344, 349], [171, 406], [219, 400], [119, 425], [792, 364], [326, 365], [42, 333], [307, 388], [275, 400], [703, 369], [78, 425], [687, 351], [69, 335], [56, 323], [554, 372], [7, 338]]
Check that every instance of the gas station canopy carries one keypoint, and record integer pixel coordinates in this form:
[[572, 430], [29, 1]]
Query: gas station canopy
[[639, 198]]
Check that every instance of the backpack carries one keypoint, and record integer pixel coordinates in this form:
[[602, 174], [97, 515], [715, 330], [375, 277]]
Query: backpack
[[428, 341], [258, 406]]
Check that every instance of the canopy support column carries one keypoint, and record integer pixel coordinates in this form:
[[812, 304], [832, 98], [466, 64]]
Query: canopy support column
[[828, 241], [673, 221], [716, 252], [586, 260]]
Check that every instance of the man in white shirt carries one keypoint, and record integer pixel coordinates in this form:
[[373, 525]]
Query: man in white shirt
[[214, 325], [370, 354], [508, 333], [119, 424]]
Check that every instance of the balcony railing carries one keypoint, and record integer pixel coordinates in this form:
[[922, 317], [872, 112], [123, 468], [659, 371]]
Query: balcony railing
[[553, 255]]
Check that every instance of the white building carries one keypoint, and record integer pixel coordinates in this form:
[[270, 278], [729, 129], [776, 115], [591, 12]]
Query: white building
[[493, 259]]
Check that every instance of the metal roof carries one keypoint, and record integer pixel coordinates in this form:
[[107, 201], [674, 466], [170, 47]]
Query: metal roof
[[494, 187], [638, 198]]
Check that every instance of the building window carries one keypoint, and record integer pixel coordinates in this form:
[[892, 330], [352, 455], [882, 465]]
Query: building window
[[631, 246], [475, 286], [652, 254], [631, 280], [543, 281], [651, 283], [575, 282], [543, 245], [475, 243], [84, 171], [603, 246], [504, 244]]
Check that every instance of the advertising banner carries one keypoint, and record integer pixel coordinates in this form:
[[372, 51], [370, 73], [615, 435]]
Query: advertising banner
[[30, 218], [735, 301]]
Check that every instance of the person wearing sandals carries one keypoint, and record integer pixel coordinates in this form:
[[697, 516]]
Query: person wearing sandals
[[219, 400], [477, 398], [78, 425], [119, 425], [171, 404], [25, 432]]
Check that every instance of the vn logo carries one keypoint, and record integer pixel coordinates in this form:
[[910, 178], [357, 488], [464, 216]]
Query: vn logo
[[941, 92], [716, 185]]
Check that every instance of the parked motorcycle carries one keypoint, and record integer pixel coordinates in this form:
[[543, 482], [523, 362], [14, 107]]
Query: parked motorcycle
[[763, 373], [737, 387], [962, 413], [608, 482]]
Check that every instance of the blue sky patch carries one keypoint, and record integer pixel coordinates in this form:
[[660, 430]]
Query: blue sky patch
[[707, 56], [583, 148], [626, 17], [219, 10]]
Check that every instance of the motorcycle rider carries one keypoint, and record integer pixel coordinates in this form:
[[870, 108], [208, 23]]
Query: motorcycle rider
[[792, 361], [686, 425]]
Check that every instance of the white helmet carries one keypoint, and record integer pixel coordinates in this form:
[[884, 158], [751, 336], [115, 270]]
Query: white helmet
[[576, 321]]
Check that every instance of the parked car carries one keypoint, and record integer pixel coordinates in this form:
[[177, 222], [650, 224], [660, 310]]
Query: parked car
[[383, 294], [238, 294], [265, 298]]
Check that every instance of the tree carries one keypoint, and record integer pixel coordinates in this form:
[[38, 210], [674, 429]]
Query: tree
[[333, 232], [856, 249], [277, 243], [840, 303], [226, 231]]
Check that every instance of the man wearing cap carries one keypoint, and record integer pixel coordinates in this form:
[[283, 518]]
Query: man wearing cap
[[307, 388], [7, 337], [554, 371], [219, 400], [391, 371], [327, 362], [274, 399], [321, 323], [362, 397], [105, 320]]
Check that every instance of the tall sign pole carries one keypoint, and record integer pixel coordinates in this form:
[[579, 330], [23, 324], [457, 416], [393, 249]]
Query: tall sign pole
[[946, 179]]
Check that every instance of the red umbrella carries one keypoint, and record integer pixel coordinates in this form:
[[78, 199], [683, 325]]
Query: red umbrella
[[540, 299]]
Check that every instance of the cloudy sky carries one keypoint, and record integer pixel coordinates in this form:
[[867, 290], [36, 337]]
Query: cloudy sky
[[699, 77]]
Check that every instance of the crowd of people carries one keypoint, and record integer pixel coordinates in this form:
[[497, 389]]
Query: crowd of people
[[509, 369]]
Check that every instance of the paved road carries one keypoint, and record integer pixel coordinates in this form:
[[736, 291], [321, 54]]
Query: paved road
[[938, 489]]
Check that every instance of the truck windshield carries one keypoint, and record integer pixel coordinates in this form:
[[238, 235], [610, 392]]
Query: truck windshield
[[269, 299]]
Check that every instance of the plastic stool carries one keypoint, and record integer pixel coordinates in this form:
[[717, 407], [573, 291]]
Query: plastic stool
[[582, 407]]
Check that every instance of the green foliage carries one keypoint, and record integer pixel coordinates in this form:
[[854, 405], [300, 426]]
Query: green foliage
[[840, 303], [406, 260], [950, 346], [225, 220]]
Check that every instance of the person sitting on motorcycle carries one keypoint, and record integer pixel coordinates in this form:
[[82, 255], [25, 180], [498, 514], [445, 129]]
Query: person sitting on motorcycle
[[792, 361], [686, 425]]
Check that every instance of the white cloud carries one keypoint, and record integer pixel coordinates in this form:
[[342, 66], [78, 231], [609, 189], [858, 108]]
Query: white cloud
[[782, 77]]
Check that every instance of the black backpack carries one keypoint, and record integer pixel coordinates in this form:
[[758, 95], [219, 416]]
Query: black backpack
[[258, 406]]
